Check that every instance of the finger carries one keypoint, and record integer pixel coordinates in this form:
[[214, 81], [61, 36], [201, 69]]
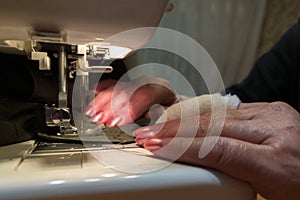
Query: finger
[[162, 130], [114, 106], [107, 115], [235, 125], [238, 124], [130, 108], [96, 105], [120, 117], [123, 108], [110, 95], [234, 157], [105, 95]]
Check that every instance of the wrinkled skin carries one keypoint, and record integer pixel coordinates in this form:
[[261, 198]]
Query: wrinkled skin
[[109, 106], [259, 144]]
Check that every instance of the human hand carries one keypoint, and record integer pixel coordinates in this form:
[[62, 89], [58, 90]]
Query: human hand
[[120, 103], [259, 143]]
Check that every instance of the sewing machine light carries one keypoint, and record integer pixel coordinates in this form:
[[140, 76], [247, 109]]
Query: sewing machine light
[[57, 182], [99, 39], [118, 52]]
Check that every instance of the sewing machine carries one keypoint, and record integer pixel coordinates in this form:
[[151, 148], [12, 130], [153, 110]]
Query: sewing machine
[[74, 32]]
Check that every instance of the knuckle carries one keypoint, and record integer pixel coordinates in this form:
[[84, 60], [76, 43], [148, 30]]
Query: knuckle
[[278, 106]]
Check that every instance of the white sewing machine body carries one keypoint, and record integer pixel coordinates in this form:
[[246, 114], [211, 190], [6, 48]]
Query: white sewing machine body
[[72, 172], [76, 174]]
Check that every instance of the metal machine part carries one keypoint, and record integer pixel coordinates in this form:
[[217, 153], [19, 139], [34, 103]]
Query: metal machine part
[[61, 117], [84, 59], [80, 40]]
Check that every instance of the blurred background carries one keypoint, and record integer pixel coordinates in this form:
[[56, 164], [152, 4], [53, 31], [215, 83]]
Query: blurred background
[[234, 32]]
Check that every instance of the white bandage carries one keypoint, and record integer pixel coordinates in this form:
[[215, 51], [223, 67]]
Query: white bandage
[[233, 100], [199, 105]]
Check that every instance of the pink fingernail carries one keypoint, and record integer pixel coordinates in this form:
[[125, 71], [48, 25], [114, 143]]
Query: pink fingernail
[[96, 118], [140, 141], [89, 110], [153, 148], [145, 135], [101, 119], [141, 130], [154, 142], [115, 121]]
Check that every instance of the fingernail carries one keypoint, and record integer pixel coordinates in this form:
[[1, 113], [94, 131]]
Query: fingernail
[[154, 142], [141, 130], [101, 119], [153, 148], [140, 141], [96, 117], [89, 110], [115, 121], [145, 135]]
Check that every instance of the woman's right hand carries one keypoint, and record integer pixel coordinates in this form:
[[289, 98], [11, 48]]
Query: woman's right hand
[[119, 103]]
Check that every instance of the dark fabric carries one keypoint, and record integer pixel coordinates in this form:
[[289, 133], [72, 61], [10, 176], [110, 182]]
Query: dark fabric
[[18, 120], [24, 90], [275, 76]]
